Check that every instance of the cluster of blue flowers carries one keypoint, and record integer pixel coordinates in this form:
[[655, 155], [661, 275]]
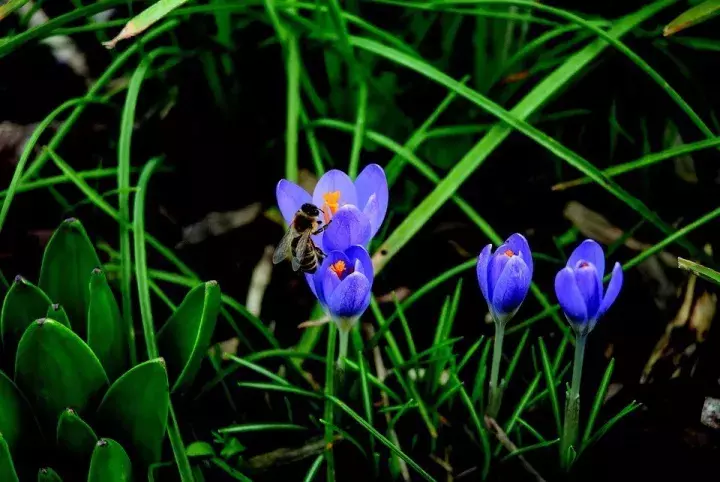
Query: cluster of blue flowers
[[343, 282], [505, 276]]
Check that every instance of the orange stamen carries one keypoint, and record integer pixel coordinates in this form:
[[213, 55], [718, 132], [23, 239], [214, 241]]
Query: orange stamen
[[338, 268], [509, 253], [332, 200]]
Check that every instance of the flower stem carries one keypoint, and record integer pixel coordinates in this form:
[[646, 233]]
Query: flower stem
[[343, 334], [496, 389], [329, 407], [572, 406]]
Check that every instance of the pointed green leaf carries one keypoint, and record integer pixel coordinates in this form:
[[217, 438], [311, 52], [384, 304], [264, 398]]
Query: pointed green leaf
[[698, 13], [74, 436], [7, 469], [16, 419], [65, 273], [185, 338], [24, 303], [109, 463], [46, 474], [55, 369], [106, 333], [135, 410], [57, 312], [699, 270]]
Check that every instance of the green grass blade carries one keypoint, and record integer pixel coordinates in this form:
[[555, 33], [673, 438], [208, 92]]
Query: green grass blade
[[145, 19], [260, 427], [530, 448], [693, 16], [515, 359], [380, 437], [329, 392], [293, 108], [550, 383], [631, 407], [279, 388], [599, 400], [314, 469], [479, 428], [699, 270], [468, 354]]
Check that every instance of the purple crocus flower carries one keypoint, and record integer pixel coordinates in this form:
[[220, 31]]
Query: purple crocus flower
[[579, 286], [343, 284], [365, 202], [505, 276]]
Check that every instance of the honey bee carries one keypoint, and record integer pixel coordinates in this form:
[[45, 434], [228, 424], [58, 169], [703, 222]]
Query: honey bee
[[297, 244]]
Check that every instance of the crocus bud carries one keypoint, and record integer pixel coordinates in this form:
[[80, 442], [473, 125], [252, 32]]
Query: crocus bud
[[579, 286], [505, 276]]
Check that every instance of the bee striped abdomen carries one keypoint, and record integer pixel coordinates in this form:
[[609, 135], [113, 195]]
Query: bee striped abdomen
[[309, 261]]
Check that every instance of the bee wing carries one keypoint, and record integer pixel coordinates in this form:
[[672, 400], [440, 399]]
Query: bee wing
[[282, 251], [302, 246]]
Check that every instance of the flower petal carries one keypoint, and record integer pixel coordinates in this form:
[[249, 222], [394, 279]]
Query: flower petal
[[349, 227], [324, 279], [482, 270], [590, 289], [511, 287], [495, 268], [311, 282], [520, 246], [613, 290], [290, 197], [372, 195], [351, 298], [569, 297], [591, 252], [358, 254], [335, 181]]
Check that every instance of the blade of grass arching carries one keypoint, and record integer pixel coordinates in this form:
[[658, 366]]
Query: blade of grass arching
[[479, 428], [329, 392], [433, 372], [530, 448], [127, 123], [447, 187], [384, 329], [145, 19], [178, 447], [515, 359], [364, 383], [346, 436], [406, 328], [612, 40], [55, 180], [397, 163], [550, 384], [631, 407], [314, 468], [92, 92], [15, 182], [599, 400], [644, 161], [270, 387], [381, 438], [258, 369], [699, 270], [460, 202], [447, 395], [10, 6], [471, 351], [557, 383]]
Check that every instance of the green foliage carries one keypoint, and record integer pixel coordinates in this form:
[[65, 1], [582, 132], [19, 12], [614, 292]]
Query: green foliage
[[61, 375]]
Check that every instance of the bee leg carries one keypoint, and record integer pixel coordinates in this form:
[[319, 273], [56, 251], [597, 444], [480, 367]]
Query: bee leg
[[320, 254], [322, 228]]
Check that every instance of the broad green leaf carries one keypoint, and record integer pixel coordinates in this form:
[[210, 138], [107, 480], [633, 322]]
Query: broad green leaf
[[7, 469], [106, 333], [699, 270], [65, 273], [693, 16], [74, 436], [185, 338], [24, 303], [57, 312], [16, 419], [145, 19], [55, 369], [109, 463], [135, 410], [46, 474]]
